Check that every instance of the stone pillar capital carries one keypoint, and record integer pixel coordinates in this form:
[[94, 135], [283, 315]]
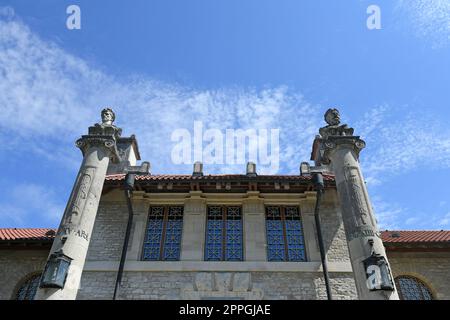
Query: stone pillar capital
[[333, 143], [108, 143], [101, 135]]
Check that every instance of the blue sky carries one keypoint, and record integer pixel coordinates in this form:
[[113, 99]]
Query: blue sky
[[232, 64]]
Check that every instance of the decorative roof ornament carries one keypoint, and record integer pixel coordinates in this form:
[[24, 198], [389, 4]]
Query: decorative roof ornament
[[334, 127]]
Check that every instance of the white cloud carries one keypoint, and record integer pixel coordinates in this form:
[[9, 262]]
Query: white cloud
[[389, 215], [49, 97], [445, 221], [400, 141], [428, 19]]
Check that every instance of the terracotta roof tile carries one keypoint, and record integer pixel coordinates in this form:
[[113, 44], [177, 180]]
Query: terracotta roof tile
[[388, 236], [415, 236], [24, 234]]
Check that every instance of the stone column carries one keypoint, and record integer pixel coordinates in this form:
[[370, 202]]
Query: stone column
[[337, 146], [74, 232]]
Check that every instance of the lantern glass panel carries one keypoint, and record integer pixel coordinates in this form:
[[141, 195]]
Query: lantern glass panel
[[55, 273]]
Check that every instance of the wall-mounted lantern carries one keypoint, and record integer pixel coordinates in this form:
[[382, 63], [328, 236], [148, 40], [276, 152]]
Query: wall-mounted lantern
[[378, 273], [55, 272]]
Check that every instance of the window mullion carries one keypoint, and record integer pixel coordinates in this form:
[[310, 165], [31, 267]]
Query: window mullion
[[224, 233], [163, 235], [283, 222]]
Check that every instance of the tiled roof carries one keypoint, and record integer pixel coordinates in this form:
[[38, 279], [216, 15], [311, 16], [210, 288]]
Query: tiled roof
[[27, 234], [392, 237], [45, 234], [165, 177]]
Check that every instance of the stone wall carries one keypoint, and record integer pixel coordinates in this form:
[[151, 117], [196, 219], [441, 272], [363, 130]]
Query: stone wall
[[216, 285], [192, 278], [433, 268], [16, 266], [335, 241], [109, 231]]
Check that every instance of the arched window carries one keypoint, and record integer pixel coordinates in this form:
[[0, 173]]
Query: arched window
[[410, 288], [28, 288]]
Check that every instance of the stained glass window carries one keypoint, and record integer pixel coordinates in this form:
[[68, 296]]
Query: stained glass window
[[28, 289], [163, 237], [410, 288], [285, 241], [224, 234]]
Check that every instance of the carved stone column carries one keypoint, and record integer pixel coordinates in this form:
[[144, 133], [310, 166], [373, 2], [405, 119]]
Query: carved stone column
[[74, 232], [337, 146]]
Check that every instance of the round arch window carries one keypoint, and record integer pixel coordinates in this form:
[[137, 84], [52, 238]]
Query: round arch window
[[28, 288], [410, 288]]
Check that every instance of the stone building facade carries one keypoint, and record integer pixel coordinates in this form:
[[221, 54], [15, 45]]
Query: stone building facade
[[419, 256], [130, 234], [192, 276]]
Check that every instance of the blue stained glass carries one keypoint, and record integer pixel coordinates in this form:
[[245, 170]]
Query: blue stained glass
[[214, 240], [284, 234], [275, 240], [171, 225], [173, 240], [234, 240], [294, 235], [28, 289], [411, 288], [152, 242], [224, 234]]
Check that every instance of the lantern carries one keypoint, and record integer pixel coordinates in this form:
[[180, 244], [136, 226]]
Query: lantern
[[55, 272], [378, 273]]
